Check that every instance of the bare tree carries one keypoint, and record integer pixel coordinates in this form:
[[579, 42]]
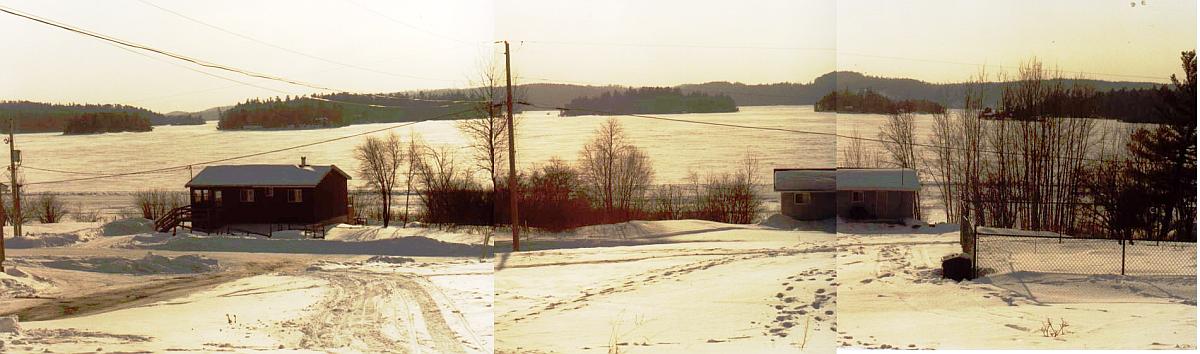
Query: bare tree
[[487, 135], [900, 140], [379, 160], [414, 156], [853, 154], [615, 173]]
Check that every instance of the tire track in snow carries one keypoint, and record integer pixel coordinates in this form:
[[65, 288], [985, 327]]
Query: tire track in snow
[[372, 312]]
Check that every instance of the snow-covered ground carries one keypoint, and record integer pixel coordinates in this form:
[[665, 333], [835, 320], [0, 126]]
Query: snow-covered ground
[[88, 287], [893, 296], [669, 287]]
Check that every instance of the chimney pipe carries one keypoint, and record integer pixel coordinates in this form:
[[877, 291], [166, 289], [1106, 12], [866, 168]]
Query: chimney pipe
[[303, 161]]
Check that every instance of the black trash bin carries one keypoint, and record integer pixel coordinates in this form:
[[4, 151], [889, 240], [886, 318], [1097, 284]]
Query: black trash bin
[[957, 267]]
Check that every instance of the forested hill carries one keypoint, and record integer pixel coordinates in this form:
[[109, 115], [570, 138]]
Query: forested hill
[[948, 94], [650, 100], [37, 117]]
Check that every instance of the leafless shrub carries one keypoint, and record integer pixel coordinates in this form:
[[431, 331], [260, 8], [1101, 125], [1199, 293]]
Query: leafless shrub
[[155, 203], [85, 215], [1048, 329], [49, 208], [731, 197]]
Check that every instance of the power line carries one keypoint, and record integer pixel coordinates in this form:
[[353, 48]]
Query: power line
[[256, 40], [198, 61], [180, 167]]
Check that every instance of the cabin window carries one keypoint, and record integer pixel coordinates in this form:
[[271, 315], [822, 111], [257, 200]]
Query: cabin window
[[295, 196], [802, 198], [247, 196], [270, 192], [216, 197], [856, 197]]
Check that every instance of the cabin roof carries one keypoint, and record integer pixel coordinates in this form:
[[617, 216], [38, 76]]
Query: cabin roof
[[878, 179], [262, 176], [804, 179]]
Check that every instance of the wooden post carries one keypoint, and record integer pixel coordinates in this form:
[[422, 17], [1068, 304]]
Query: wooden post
[[512, 152]]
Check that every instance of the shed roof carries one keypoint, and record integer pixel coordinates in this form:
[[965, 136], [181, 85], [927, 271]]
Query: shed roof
[[878, 179], [804, 179], [263, 175]]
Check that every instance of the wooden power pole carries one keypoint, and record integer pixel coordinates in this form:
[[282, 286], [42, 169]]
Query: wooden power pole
[[512, 152], [14, 158]]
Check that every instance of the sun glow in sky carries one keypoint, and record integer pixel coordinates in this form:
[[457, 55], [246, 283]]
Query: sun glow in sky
[[387, 46]]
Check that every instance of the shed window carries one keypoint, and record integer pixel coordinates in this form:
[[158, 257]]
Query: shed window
[[247, 196], [217, 197], [856, 197], [270, 192], [802, 198], [295, 196]]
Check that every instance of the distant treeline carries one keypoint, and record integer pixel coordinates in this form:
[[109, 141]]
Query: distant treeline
[[650, 100], [869, 101], [37, 117], [303, 112], [107, 122], [1134, 106]]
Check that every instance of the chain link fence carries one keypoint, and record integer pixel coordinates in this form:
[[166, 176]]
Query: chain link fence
[[997, 250]]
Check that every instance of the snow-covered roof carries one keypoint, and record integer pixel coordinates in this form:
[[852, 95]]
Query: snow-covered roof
[[878, 179], [795, 180], [262, 175]]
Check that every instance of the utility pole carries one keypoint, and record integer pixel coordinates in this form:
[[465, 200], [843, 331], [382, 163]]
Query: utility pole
[[14, 158], [512, 152]]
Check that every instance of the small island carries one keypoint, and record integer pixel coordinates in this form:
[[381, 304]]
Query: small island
[[281, 114], [649, 100], [871, 102], [106, 122]]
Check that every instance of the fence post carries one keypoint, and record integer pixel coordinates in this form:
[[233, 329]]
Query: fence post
[[974, 251], [1123, 255]]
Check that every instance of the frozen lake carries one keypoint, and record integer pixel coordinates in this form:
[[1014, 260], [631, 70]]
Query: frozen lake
[[675, 148]]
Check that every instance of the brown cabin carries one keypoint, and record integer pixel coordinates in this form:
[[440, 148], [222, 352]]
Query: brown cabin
[[806, 193], [268, 194], [877, 194]]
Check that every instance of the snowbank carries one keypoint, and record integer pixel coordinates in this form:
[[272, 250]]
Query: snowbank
[[16, 283], [405, 246], [910, 227], [43, 240], [36, 235], [9, 324], [784, 222], [150, 264], [130, 226]]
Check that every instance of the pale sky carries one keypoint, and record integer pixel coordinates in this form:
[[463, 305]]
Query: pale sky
[[662, 42], [44, 63], [928, 39], [669, 42]]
